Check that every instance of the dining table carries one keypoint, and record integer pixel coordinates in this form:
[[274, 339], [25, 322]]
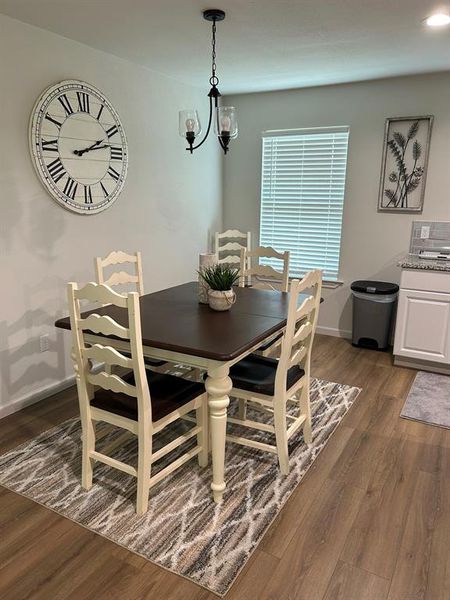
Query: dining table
[[178, 329]]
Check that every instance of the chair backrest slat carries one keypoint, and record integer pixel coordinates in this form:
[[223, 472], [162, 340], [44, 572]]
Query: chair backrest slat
[[230, 260], [105, 325], [100, 294], [264, 271], [112, 382], [232, 234], [300, 328], [231, 246], [118, 257], [302, 333], [264, 276], [305, 308], [108, 355], [121, 277], [297, 356]]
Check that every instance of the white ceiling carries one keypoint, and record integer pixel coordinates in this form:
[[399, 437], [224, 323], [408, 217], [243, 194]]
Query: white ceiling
[[262, 44]]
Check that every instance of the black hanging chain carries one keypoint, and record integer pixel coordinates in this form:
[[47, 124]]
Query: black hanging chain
[[214, 80]]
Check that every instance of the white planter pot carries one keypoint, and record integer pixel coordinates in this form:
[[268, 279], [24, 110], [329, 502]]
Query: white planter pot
[[221, 300]]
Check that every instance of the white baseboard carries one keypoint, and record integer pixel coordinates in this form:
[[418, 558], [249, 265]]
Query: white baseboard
[[36, 396], [342, 333], [422, 365]]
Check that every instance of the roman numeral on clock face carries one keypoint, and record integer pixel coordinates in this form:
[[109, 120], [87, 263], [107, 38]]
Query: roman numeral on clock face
[[54, 121], [113, 173], [50, 145], [70, 189], [116, 153], [112, 131], [100, 112], [56, 170], [83, 101], [104, 189], [87, 194], [66, 104]]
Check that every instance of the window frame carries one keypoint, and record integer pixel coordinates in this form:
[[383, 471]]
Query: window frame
[[275, 133]]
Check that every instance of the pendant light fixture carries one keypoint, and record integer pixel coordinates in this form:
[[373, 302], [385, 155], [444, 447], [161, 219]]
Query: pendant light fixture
[[225, 121]]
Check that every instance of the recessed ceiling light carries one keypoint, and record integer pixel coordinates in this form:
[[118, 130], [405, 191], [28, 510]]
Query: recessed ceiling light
[[438, 20]]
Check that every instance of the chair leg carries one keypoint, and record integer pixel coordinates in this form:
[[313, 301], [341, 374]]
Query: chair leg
[[281, 437], [143, 471], [88, 443], [305, 408], [242, 410], [203, 436]]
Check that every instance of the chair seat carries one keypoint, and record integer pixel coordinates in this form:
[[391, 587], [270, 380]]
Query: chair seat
[[270, 343], [257, 374], [168, 393]]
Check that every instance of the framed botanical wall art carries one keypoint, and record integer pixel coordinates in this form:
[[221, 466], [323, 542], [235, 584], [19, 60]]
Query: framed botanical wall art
[[404, 164]]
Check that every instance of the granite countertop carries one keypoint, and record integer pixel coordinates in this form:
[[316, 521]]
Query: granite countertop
[[410, 261]]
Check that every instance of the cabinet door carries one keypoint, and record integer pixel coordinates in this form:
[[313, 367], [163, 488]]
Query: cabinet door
[[423, 326]]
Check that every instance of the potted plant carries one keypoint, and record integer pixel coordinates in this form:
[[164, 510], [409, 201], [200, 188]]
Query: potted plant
[[220, 280]]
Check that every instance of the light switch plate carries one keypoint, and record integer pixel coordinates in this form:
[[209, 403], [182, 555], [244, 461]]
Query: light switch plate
[[44, 342]]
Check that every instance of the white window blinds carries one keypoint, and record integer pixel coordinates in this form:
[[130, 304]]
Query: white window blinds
[[302, 197]]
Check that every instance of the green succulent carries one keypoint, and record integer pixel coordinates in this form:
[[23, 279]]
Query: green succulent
[[220, 277]]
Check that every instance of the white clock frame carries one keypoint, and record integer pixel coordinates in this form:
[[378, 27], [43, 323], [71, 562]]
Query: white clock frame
[[82, 178]]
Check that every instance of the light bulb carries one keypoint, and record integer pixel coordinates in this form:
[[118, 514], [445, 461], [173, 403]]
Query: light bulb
[[225, 123], [190, 124], [438, 20]]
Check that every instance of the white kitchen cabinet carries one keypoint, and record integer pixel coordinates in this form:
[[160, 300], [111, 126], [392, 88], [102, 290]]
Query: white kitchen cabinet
[[422, 333]]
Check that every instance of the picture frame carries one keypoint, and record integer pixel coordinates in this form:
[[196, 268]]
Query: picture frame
[[404, 164]]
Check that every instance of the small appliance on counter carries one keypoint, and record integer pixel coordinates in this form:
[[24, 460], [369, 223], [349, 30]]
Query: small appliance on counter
[[422, 333], [429, 246]]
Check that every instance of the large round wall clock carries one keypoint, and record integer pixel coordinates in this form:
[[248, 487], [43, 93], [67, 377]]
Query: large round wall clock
[[78, 147]]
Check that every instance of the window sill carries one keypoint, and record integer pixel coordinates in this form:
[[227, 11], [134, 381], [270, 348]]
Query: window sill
[[332, 285]]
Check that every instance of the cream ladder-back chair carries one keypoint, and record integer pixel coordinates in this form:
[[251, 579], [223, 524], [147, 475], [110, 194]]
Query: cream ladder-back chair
[[265, 277], [270, 384], [227, 250], [142, 402], [117, 257]]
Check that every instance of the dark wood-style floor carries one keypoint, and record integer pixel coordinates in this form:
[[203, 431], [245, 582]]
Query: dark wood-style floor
[[370, 521]]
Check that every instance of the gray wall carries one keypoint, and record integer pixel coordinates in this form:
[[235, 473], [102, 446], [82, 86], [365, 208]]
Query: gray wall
[[170, 204], [371, 242]]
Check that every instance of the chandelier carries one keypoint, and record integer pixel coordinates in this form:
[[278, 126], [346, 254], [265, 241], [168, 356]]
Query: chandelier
[[225, 121]]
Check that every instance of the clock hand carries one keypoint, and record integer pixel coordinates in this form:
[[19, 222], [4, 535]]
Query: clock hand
[[81, 152], [100, 147]]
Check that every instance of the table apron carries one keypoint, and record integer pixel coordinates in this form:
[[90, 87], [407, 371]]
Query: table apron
[[172, 356]]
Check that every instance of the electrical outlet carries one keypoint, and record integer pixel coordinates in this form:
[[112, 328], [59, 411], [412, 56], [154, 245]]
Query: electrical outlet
[[44, 342], [425, 232]]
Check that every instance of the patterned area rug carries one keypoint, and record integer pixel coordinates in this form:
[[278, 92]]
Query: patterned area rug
[[183, 530]]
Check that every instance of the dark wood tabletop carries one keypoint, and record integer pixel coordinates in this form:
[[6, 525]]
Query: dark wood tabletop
[[173, 319]]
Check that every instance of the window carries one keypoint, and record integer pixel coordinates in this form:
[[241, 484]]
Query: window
[[302, 197]]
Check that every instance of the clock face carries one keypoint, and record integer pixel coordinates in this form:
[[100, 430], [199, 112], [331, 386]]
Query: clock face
[[78, 146]]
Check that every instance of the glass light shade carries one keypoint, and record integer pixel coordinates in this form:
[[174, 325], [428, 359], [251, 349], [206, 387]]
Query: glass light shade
[[226, 121], [189, 123], [438, 20]]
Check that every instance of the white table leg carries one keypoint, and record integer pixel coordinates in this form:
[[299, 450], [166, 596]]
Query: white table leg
[[218, 385]]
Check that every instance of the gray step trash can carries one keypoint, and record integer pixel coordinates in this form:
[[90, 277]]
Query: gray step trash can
[[373, 310]]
